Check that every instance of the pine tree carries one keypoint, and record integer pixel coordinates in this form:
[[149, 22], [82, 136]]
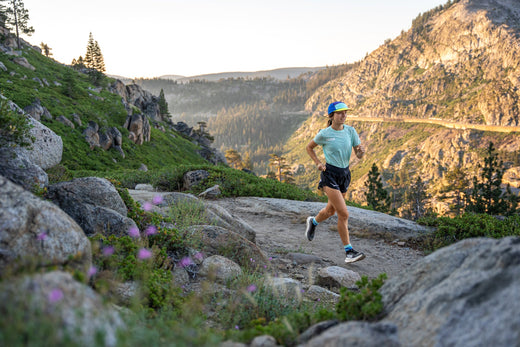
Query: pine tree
[[234, 158], [15, 16], [279, 163], [457, 184], [377, 197], [89, 55], [46, 49], [99, 61], [416, 199], [487, 196], [163, 105]]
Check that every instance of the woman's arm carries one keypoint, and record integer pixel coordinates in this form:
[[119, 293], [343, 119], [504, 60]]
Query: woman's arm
[[310, 150], [360, 151]]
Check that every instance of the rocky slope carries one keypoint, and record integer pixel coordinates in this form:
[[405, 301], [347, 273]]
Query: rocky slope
[[458, 63]]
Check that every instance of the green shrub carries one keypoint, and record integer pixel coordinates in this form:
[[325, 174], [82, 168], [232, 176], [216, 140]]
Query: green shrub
[[363, 305], [450, 230], [14, 128]]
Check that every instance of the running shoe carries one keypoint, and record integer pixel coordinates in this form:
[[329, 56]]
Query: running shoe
[[353, 255], [309, 232]]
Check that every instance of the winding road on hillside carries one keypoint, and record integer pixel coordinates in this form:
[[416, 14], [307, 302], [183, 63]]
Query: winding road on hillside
[[438, 121]]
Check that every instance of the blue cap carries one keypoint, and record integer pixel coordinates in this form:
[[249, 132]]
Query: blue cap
[[337, 106]]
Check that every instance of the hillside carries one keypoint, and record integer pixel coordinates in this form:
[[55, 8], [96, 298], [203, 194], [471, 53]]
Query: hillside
[[458, 63], [69, 103]]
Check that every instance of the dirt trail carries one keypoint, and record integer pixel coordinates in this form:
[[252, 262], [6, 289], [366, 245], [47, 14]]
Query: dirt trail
[[281, 232]]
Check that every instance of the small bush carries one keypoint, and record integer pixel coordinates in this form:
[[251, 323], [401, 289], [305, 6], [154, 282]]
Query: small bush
[[451, 230]]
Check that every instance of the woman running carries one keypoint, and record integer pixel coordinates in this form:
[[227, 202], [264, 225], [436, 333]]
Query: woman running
[[337, 141]]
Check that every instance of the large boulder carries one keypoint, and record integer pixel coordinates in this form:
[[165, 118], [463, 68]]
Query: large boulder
[[24, 165], [357, 334], [467, 294], [31, 227], [94, 204], [74, 309]]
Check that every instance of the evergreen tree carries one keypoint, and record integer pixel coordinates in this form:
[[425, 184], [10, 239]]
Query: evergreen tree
[[377, 197], [457, 185], [487, 196], [15, 16], [415, 200], [89, 55], [163, 105], [233, 158], [46, 49], [279, 163], [99, 61]]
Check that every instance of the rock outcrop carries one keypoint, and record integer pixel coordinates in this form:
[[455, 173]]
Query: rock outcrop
[[94, 204], [34, 228], [466, 294]]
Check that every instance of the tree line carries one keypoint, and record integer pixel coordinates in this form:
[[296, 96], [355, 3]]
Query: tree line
[[483, 193]]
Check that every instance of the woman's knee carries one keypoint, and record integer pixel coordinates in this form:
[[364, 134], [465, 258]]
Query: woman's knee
[[342, 214]]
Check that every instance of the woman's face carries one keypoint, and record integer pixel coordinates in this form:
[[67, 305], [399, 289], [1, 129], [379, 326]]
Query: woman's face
[[339, 117]]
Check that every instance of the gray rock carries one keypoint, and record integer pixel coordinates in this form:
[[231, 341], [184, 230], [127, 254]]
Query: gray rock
[[64, 120], [337, 277], [91, 134], [221, 217], [94, 204], [357, 334], [2, 67], [24, 63], [47, 149], [75, 308], [220, 241], [211, 193], [263, 341], [466, 294], [219, 269], [37, 111], [286, 287], [193, 178], [20, 170], [317, 293], [142, 186], [315, 330], [31, 227]]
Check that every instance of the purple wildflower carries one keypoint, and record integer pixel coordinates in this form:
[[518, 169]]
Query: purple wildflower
[[55, 295], [198, 256], [237, 327], [133, 232], [92, 271], [251, 288], [158, 199], [41, 236], [108, 251], [151, 230], [144, 253], [147, 206], [186, 261]]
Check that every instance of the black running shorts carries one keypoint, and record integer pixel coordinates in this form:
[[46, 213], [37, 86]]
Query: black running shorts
[[335, 178]]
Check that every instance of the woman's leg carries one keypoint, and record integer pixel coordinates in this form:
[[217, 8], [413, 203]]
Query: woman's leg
[[336, 204]]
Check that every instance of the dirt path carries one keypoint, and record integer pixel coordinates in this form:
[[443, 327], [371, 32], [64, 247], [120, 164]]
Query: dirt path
[[279, 233]]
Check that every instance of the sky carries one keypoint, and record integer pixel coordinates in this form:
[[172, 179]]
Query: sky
[[152, 38]]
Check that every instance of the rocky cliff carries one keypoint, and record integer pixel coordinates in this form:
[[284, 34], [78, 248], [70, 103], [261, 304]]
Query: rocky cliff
[[457, 63]]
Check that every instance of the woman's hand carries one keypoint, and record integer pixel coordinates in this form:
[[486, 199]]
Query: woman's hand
[[321, 167], [360, 151]]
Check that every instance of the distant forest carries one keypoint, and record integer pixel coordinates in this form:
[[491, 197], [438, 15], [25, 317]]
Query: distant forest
[[253, 116]]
